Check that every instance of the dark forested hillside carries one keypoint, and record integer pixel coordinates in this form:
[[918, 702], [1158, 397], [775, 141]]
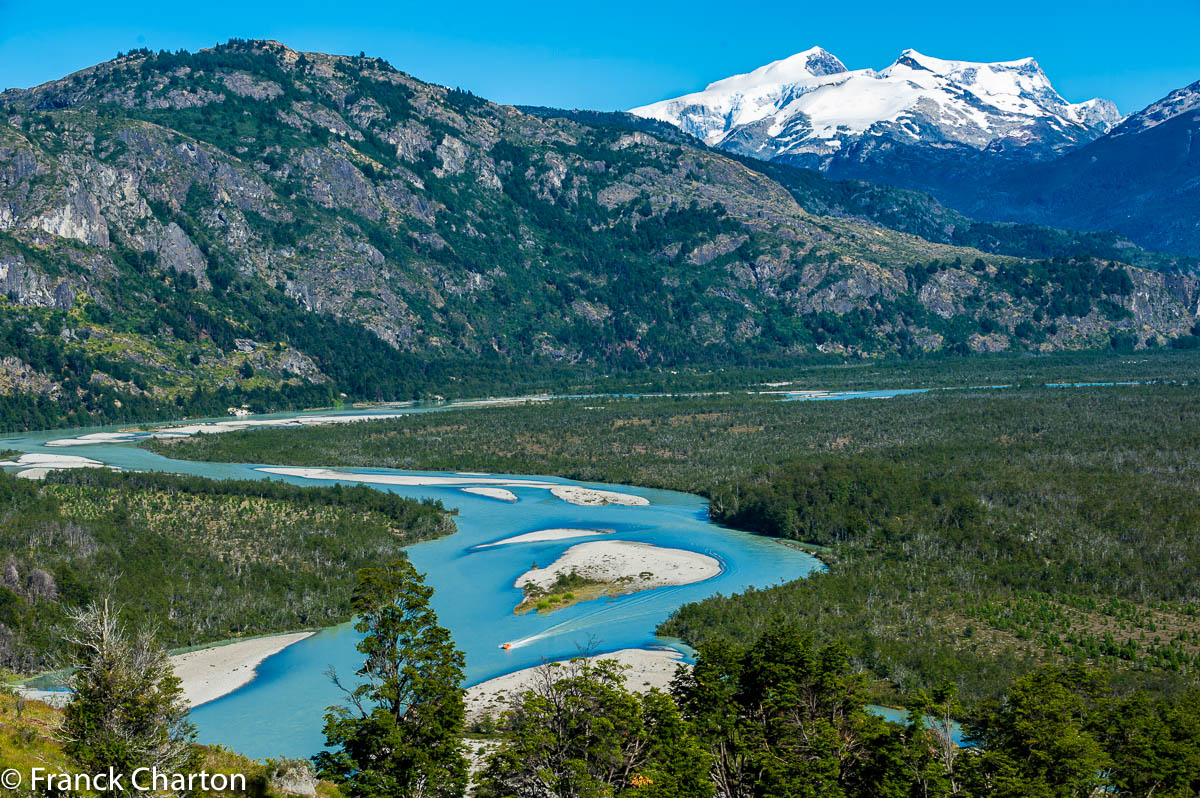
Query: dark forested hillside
[[185, 232], [1142, 179], [197, 559], [915, 212]]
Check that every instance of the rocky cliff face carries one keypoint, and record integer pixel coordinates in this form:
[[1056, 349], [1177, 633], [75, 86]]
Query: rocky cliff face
[[261, 219]]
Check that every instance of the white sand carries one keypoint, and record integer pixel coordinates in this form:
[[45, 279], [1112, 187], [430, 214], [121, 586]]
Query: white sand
[[505, 400], [402, 479], [95, 437], [641, 566], [493, 493], [646, 669], [252, 422], [212, 427], [587, 496], [37, 466], [209, 673], [472, 484], [547, 534], [54, 698], [53, 461]]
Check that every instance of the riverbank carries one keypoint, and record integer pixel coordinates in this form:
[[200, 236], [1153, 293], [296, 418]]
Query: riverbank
[[206, 674]]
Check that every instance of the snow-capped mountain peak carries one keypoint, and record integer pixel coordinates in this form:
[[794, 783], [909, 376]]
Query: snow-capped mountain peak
[[809, 107], [811, 63], [749, 98]]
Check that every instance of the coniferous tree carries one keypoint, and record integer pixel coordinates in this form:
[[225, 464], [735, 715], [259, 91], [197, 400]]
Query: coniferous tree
[[399, 736], [784, 719], [579, 733], [1041, 740], [128, 709]]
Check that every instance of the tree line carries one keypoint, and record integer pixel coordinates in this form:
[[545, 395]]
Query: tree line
[[779, 717]]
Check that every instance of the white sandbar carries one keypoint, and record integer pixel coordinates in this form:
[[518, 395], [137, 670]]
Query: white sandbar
[[588, 496], [255, 422], [37, 466], [547, 534], [646, 669], [96, 437], [53, 461], [212, 427], [401, 479], [209, 673], [493, 493], [640, 566]]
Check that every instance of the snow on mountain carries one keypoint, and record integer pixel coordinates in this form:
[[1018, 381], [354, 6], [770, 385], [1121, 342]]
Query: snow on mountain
[[745, 99], [1180, 101], [811, 106]]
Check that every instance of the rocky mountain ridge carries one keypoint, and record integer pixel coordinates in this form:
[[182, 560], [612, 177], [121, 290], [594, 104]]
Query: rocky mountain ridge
[[994, 141], [249, 224]]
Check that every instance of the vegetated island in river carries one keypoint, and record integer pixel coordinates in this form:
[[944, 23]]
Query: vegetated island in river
[[610, 568]]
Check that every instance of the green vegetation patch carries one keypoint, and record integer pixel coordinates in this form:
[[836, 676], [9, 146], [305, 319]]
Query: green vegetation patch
[[970, 534], [199, 559], [568, 589]]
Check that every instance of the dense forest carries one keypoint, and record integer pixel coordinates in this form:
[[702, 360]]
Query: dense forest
[[969, 534], [200, 560], [782, 717]]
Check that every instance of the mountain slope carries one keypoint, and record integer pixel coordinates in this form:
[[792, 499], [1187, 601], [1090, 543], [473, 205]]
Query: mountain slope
[[1142, 179], [907, 210], [248, 224]]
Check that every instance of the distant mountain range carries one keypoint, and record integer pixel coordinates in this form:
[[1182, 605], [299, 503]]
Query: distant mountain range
[[1142, 179], [181, 232], [809, 110], [994, 140]]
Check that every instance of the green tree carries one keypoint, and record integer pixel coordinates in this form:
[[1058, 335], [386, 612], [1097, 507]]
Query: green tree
[[400, 734], [1039, 740], [579, 734], [128, 709], [931, 754], [785, 719], [1154, 745]]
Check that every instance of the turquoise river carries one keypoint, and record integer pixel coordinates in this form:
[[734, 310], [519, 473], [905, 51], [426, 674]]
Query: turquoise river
[[280, 711]]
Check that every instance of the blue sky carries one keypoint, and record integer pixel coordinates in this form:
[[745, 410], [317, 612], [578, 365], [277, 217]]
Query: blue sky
[[621, 54]]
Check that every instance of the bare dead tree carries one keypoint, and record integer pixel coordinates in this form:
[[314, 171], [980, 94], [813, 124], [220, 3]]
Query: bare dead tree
[[127, 709]]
